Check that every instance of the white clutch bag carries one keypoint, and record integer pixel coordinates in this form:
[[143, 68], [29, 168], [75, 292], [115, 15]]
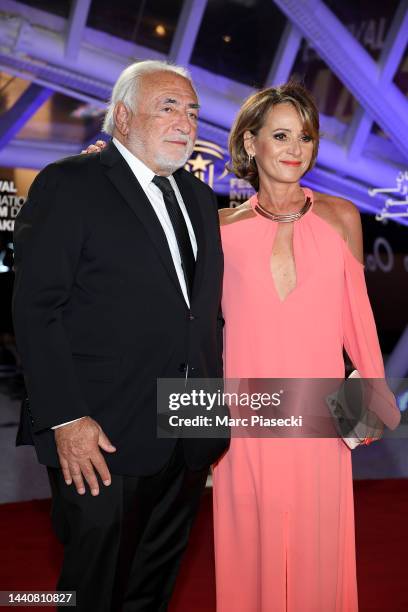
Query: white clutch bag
[[353, 423]]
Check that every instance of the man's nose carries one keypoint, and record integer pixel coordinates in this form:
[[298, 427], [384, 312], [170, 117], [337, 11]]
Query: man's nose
[[183, 123]]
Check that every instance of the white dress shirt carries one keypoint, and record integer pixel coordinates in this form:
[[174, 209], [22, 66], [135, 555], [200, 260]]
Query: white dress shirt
[[145, 176]]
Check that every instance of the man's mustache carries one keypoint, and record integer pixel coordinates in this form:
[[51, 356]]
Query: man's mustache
[[184, 139]]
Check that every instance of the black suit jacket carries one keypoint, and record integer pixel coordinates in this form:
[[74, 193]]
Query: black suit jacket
[[98, 310]]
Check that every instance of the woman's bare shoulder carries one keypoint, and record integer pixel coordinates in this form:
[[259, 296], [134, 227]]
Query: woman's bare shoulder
[[339, 212], [342, 208], [228, 216], [344, 217]]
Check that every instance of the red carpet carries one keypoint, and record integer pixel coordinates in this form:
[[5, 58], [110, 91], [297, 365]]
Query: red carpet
[[30, 555]]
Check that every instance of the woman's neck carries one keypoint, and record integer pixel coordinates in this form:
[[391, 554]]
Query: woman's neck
[[281, 197]]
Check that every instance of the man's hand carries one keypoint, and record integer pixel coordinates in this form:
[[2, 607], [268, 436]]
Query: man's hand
[[78, 450], [95, 148]]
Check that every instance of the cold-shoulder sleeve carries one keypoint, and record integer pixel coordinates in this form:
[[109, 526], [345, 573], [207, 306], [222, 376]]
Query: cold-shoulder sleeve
[[361, 340]]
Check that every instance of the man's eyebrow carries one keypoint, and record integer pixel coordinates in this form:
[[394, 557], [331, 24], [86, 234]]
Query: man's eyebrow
[[173, 101]]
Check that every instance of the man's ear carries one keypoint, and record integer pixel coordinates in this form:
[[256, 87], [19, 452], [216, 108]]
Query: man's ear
[[249, 143], [121, 117]]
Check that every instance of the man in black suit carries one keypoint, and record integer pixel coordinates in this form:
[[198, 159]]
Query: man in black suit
[[118, 282]]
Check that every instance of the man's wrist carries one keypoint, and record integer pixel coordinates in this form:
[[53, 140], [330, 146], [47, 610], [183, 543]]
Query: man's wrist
[[67, 423]]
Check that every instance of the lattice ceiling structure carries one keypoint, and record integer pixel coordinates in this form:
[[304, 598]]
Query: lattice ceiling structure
[[67, 54]]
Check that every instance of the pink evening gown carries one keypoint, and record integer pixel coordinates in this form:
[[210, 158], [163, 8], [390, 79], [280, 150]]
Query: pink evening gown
[[283, 508]]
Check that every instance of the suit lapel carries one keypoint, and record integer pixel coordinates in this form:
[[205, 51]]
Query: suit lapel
[[195, 213], [129, 188]]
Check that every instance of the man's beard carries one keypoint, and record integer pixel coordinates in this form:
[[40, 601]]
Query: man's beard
[[170, 165], [166, 164]]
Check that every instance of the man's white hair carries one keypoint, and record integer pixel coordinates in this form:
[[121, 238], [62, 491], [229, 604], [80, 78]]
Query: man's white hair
[[126, 87]]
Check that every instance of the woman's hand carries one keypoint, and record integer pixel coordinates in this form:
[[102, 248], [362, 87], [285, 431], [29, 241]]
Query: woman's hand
[[95, 148]]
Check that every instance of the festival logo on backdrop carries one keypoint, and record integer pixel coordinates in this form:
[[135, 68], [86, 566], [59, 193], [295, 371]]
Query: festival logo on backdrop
[[208, 163], [396, 206], [10, 204]]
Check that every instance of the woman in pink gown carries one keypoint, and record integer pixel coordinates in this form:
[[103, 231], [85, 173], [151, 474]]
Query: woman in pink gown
[[294, 295]]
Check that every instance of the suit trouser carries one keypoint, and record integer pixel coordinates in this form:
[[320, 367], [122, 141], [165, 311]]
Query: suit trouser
[[122, 548]]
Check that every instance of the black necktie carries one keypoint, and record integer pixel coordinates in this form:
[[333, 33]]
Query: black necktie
[[180, 229]]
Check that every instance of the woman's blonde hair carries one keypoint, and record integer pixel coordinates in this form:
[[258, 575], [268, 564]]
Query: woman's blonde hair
[[252, 115]]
